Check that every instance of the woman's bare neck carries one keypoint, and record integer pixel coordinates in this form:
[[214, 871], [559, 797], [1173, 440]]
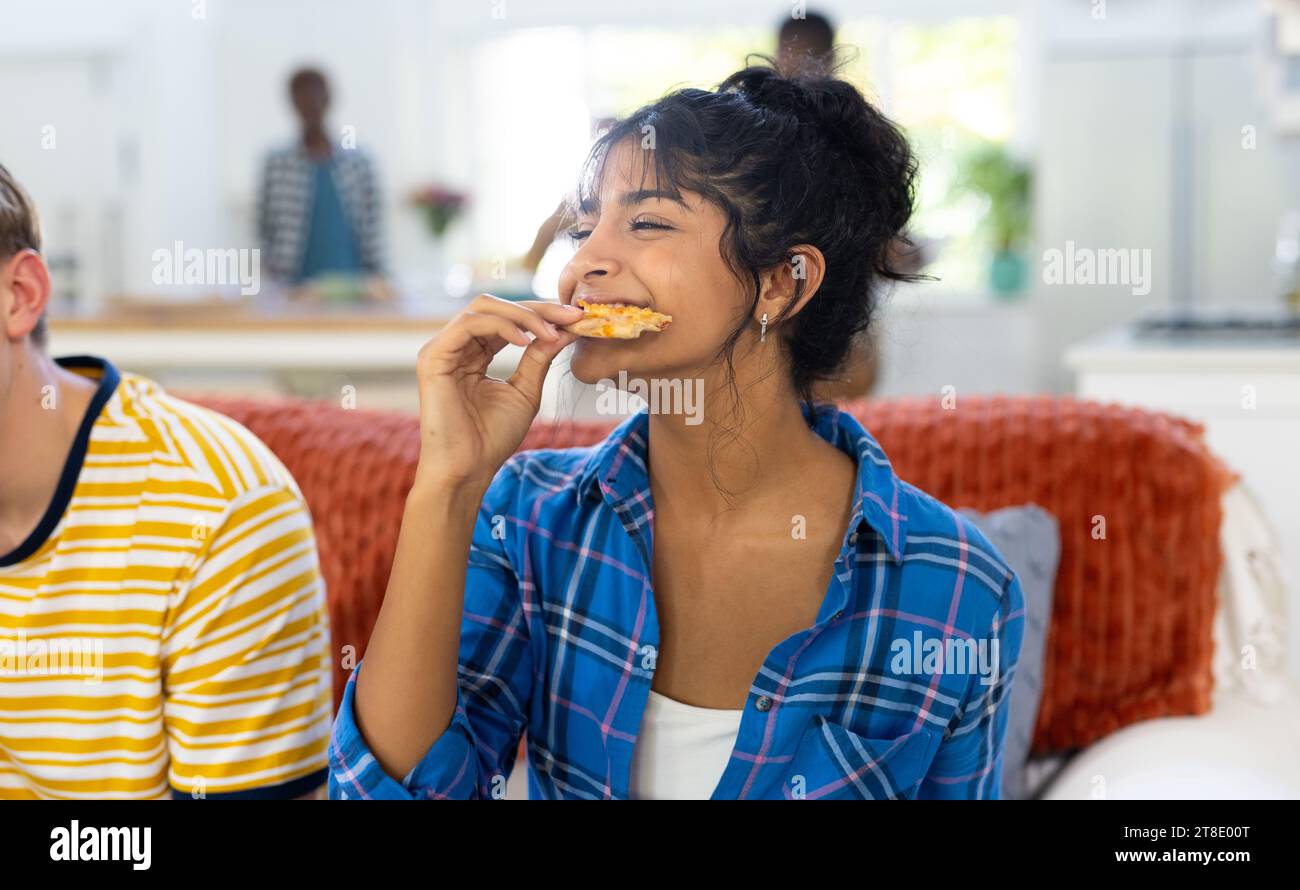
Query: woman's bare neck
[[742, 462]]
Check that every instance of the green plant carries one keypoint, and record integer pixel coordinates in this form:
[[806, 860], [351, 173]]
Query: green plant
[[1004, 182]]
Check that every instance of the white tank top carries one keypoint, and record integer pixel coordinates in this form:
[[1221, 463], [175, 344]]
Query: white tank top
[[681, 750]]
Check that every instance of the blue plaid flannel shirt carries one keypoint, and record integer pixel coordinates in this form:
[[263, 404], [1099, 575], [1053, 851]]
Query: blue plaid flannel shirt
[[899, 690]]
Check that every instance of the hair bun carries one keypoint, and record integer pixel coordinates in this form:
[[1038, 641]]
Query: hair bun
[[836, 114], [762, 85], [832, 105]]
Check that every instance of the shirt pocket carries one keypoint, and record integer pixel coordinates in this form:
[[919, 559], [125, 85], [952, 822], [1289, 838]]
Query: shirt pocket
[[832, 762]]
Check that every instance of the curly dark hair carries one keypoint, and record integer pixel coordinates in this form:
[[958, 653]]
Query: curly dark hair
[[789, 160]]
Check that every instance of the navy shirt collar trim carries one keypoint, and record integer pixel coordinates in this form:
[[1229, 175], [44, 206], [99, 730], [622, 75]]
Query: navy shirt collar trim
[[108, 380]]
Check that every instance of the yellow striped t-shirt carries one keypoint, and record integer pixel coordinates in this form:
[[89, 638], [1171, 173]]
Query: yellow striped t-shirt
[[163, 631]]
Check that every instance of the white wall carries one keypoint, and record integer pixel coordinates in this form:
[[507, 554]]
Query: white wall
[[184, 108]]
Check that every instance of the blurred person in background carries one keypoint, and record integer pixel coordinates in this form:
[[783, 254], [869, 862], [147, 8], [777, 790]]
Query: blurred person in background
[[319, 205], [163, 628], [804, 44]]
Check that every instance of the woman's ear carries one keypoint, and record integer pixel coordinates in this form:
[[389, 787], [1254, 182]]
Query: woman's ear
[[792, 283]]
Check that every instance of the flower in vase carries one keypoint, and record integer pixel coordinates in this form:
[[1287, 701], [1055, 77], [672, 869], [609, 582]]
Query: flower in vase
[[440, 205]]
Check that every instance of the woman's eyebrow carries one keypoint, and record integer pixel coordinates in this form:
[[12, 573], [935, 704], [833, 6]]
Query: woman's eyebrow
[[591, 204], [631, 199]]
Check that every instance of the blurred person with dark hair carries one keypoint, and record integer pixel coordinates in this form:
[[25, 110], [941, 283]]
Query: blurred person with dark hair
[[319, 205], [804, 44], [163, 628]]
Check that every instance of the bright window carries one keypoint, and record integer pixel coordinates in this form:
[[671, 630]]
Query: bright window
[[539, 93]]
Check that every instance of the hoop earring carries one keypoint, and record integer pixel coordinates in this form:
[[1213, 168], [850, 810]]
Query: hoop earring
[[762, 329]]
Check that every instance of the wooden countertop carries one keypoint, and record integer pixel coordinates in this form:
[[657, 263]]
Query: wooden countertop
[[216, 337], [212, 319]]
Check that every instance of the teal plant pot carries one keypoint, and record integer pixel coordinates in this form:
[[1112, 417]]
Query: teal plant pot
[[1007, 273]]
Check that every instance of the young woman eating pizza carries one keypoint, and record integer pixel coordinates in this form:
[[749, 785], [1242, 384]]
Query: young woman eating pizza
[[727, 608]]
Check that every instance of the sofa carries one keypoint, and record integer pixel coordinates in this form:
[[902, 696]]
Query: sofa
[[1137, 497]]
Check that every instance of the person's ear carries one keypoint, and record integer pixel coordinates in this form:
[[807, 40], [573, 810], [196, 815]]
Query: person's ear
[[25, 283], [780, 285]]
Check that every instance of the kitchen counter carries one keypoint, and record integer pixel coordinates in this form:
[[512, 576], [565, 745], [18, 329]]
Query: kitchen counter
[[383, 338]]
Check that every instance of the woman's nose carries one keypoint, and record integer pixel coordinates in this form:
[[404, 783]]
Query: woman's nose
[[596, 257]]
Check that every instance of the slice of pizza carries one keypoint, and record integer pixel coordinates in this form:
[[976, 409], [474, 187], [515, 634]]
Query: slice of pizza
[[616, 321]]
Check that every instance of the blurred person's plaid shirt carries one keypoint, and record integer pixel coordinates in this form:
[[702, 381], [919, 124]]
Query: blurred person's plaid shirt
[[560, 636], [285, 205]]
